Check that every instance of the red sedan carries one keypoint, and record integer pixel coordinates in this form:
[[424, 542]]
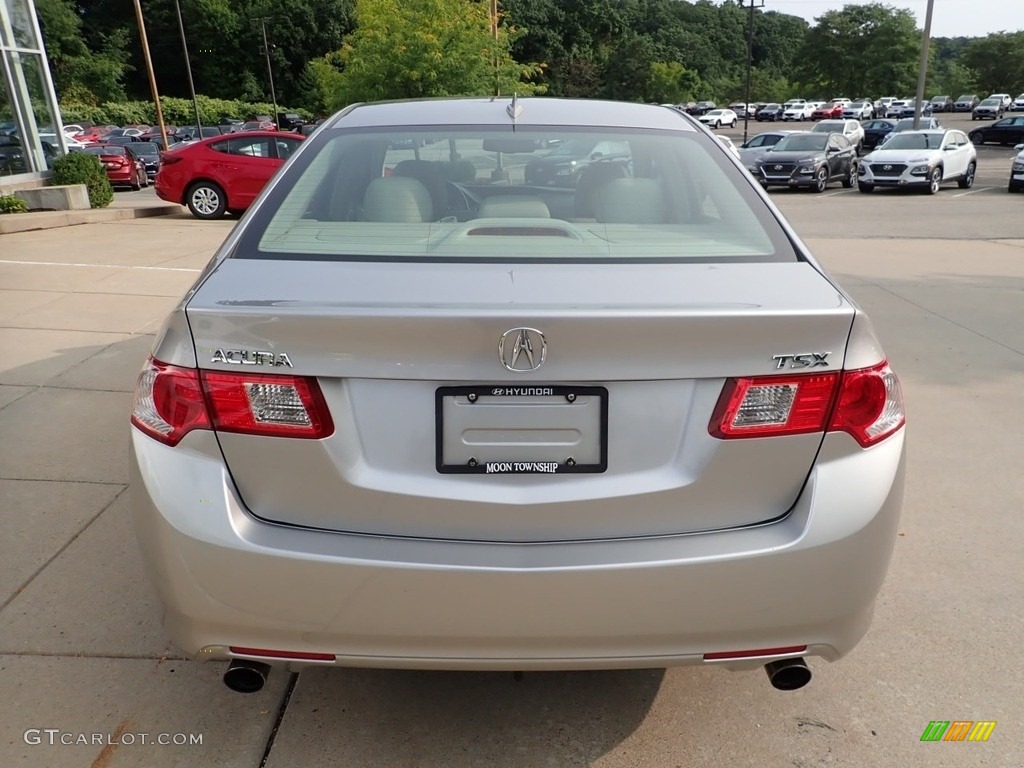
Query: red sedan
[[223, 173], [124, 168]]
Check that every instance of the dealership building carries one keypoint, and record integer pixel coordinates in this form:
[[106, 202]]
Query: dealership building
[[30, 137]]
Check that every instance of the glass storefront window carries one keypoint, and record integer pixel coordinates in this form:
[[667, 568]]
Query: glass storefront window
[[22, 24]]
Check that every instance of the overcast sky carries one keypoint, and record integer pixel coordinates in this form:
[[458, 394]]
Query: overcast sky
[[950, 18]]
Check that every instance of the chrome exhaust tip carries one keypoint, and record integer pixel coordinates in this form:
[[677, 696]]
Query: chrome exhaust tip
[[246, 676], [788, 674]]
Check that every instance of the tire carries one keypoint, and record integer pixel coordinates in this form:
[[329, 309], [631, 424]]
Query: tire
[[934, 181], [1015, 187], [135, 184], [733, 124], [867, 189], [206, 200], [851, 179], [967, 180], [978, 138], [820, 180], [235, 213], [718, 124]]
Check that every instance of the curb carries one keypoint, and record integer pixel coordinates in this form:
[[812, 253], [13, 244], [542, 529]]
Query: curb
[[28, 222]]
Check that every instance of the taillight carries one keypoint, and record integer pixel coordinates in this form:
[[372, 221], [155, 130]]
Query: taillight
[[283, 406], [170, 401], [870, 405], [168, 158], [866, 403], [769, 406]]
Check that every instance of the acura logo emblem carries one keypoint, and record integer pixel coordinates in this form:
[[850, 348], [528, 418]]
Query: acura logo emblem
[[522, 350]]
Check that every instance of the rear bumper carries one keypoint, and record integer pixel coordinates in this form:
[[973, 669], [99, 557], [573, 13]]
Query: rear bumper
[[228, 579]]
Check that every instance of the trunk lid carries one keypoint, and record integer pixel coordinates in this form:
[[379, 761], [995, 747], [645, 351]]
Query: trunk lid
[[391, 344]]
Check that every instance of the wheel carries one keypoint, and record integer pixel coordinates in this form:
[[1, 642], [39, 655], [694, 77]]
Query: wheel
[[967, 180], [206, 200], [851, 178], [978, 138], [1015, 186], [935, 181], [820, 180], [144, 178], [733, 124], [718, 123], [867, 189]]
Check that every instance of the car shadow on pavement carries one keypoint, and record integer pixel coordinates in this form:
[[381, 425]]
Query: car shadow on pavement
[[385, 718]]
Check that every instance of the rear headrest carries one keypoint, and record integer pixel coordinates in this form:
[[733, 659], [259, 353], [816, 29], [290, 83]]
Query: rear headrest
[[513, 206], [398, 199], [631, 201], [591, 179]]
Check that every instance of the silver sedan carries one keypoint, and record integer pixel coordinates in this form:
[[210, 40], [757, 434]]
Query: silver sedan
[[419, 412]]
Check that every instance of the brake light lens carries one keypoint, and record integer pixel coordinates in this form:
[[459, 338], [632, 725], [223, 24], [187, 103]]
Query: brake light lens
[[283, 406], [870, 405], [769, 406], [169, 158], [171, 401], [866, 403]]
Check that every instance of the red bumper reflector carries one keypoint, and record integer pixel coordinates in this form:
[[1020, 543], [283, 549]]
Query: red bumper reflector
[[720, 655], [270, 654]]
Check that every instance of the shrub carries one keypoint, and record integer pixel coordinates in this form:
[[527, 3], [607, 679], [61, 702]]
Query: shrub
[[12, 204], [82, 168]]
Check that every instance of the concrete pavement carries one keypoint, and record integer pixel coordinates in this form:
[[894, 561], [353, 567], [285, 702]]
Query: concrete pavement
[[82, 653]]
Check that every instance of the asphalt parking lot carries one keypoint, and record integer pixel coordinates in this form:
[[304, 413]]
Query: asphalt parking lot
[[83, 655]]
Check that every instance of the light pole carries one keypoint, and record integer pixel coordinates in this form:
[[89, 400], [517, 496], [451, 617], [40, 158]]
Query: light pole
[[270, 71], [922, 73], [750, 55], [188, 69], [149, 70]]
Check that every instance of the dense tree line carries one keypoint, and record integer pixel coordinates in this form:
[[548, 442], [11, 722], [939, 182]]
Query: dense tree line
[[328, 52]]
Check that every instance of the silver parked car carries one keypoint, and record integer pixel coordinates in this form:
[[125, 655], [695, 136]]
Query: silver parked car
[[419, 413]]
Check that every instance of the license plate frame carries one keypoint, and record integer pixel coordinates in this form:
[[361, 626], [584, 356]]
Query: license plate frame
[[542, 394]]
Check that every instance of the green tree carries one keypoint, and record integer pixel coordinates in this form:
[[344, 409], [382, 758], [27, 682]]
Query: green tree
[[998, 62], [419, 48], [862, 50], [80, 73], [671, 83]]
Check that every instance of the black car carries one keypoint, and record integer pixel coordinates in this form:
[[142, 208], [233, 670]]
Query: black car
[[1009, 130], [702, 108], [770, 112], [149, 153], [875, 131], [808, 159], [966, 103], [941, 104], [562, 166]]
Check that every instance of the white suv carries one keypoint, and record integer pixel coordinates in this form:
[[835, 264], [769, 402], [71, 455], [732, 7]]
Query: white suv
[[851, 129], [923, 159]]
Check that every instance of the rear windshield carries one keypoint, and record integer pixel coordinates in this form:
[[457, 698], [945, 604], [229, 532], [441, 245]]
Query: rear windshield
[[486, 194]]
